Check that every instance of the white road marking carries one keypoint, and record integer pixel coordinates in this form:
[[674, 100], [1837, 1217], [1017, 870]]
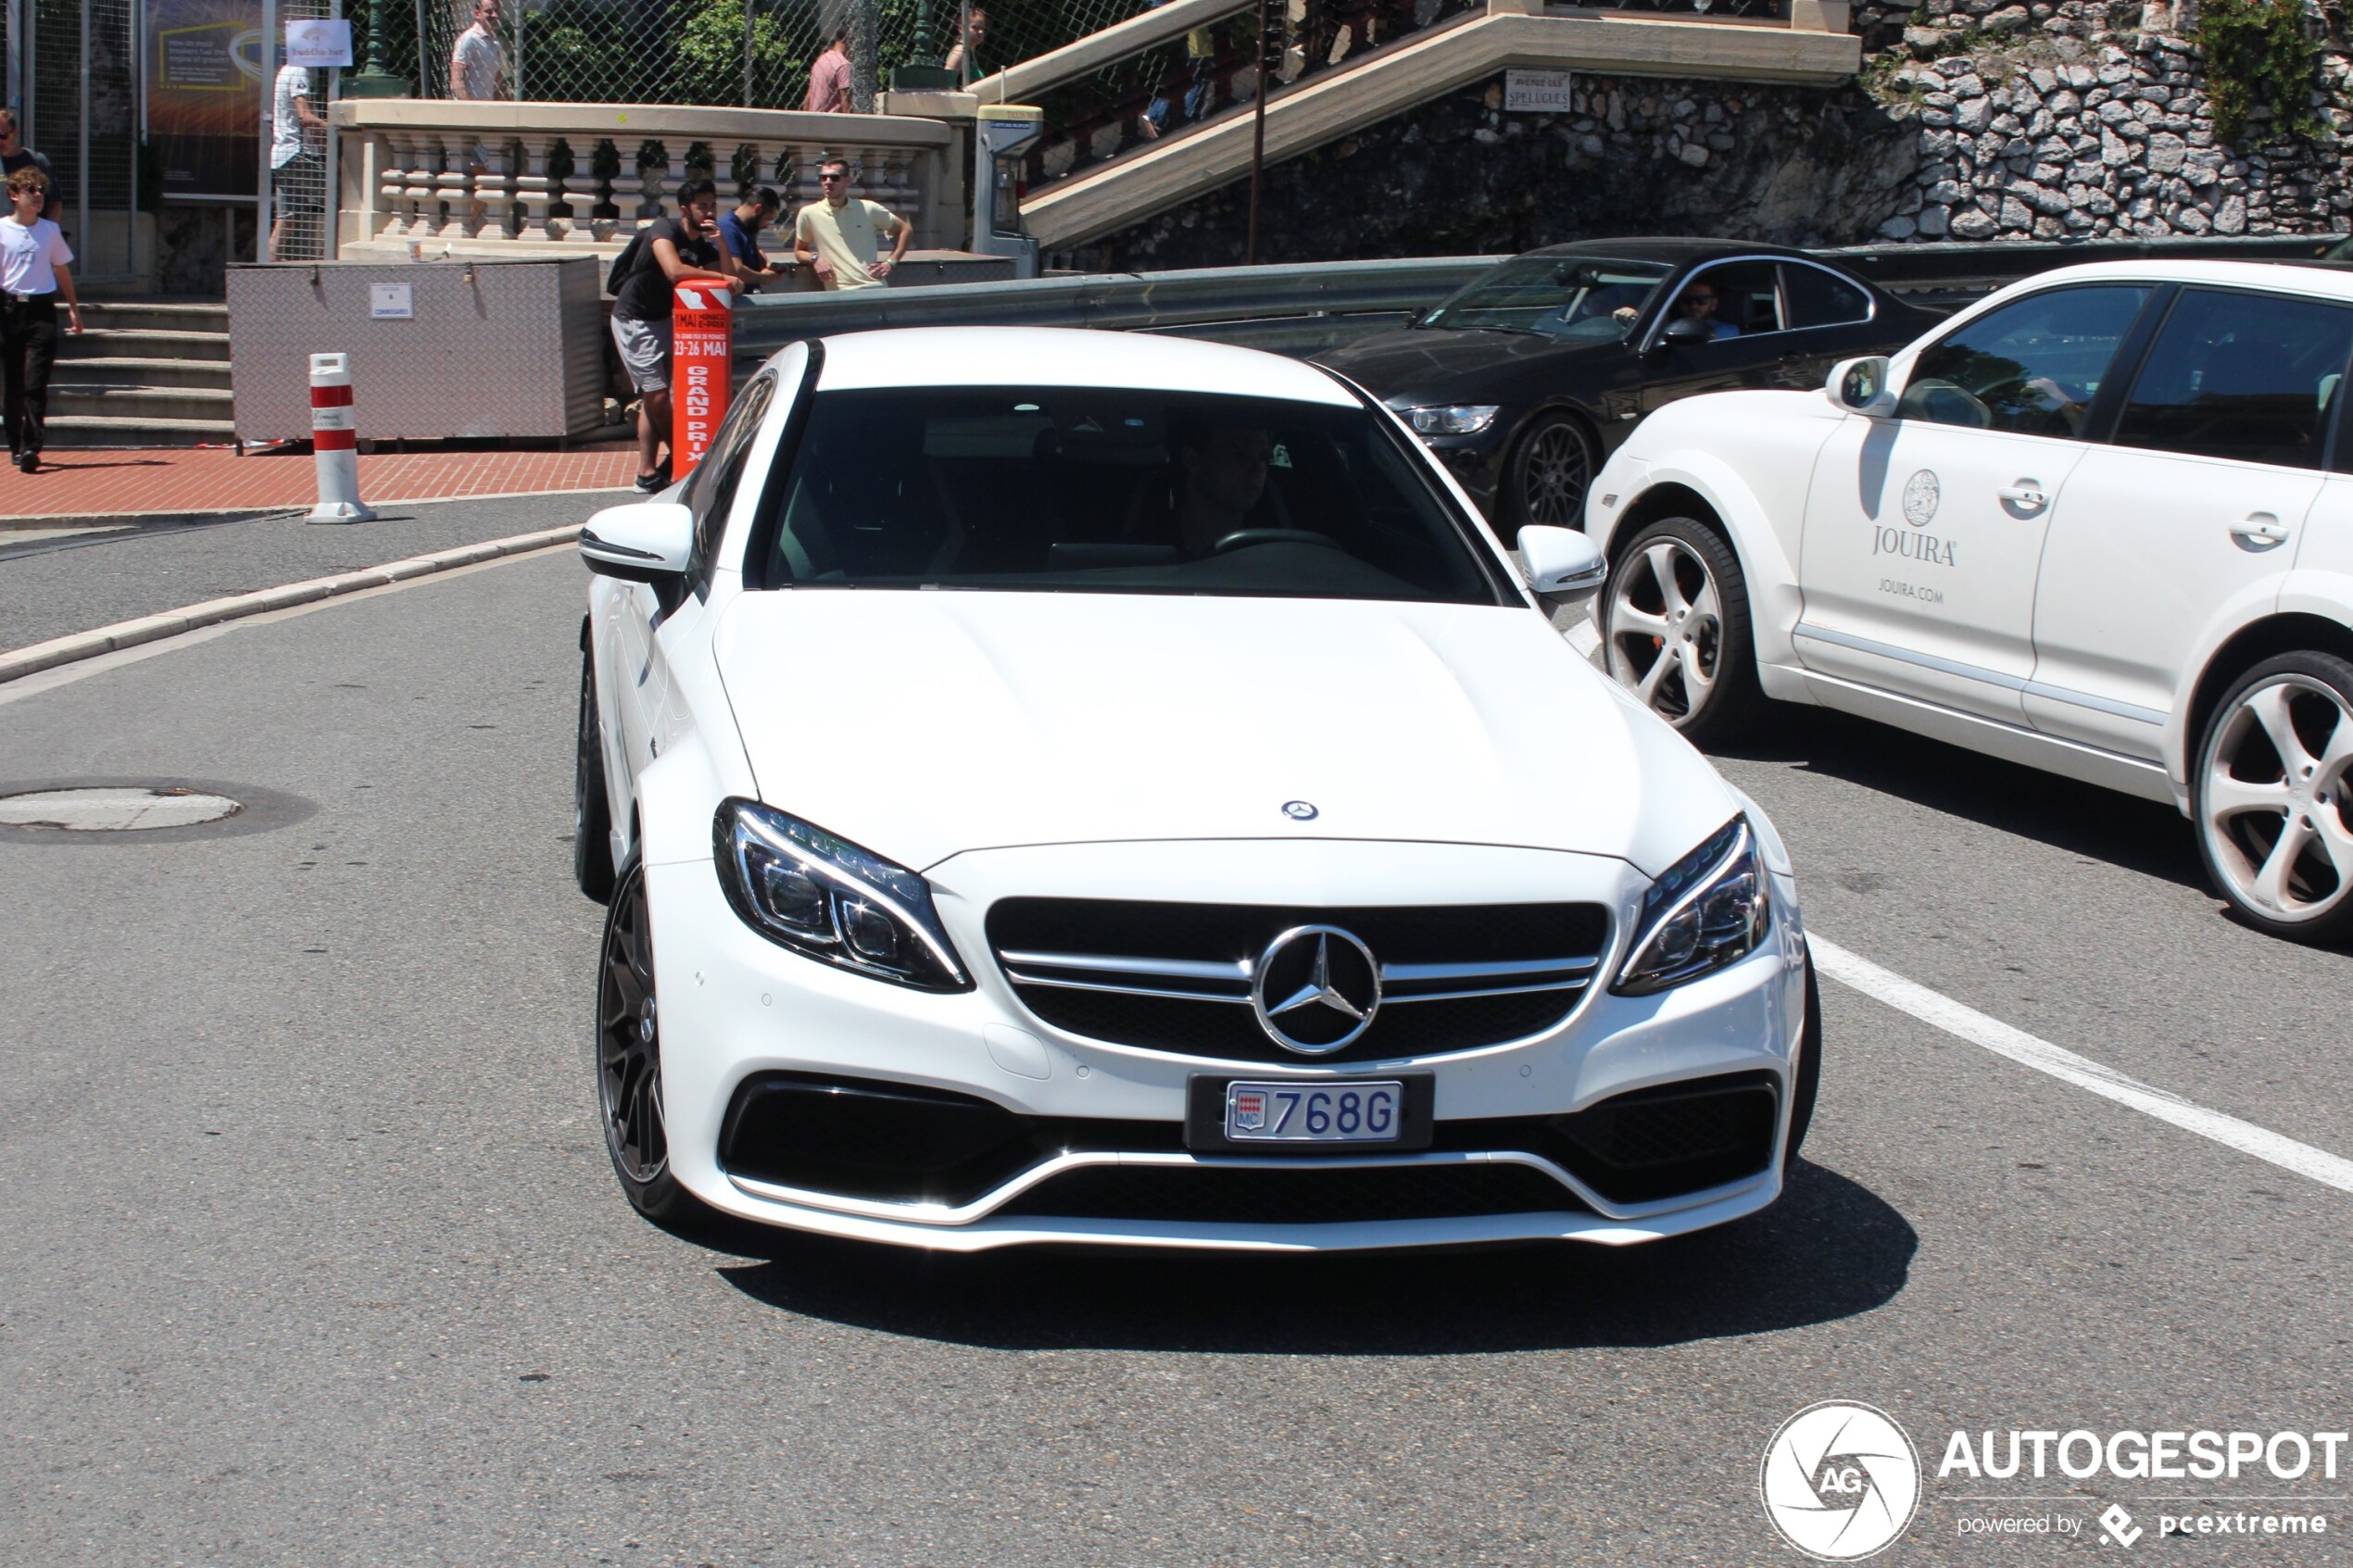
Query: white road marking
[[1965, 1023]]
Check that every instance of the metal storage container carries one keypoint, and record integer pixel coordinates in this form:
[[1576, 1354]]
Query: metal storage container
[[438, 348]]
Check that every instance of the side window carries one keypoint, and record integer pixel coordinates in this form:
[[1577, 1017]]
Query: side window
[[710, 490], [1822, 299], [2246, 376], [1741, 298], [2030, 368]]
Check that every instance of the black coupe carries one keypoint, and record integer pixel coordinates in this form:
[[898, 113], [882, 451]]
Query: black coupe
[[1528, 376]]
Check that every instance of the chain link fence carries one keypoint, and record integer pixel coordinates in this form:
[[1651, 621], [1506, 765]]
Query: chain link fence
[[301, 205], [752, 52]]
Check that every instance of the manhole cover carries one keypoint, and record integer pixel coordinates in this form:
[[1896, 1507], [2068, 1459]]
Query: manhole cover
[[113, 809]]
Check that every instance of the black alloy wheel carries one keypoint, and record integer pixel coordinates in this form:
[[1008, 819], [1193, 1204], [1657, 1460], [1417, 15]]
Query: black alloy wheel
[[628, 1049], [1546, 478], [591, 807], [1675, 627]]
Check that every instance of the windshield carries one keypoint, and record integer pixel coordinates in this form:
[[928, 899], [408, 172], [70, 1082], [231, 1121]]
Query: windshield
[[1560, 296], [1109, 491]]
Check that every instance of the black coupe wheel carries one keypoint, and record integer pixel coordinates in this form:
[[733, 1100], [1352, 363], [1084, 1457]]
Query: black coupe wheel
[[591, 807], [629, 1060], [1545, 482]]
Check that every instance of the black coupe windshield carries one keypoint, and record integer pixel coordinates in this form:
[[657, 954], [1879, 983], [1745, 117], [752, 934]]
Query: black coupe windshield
[[1109, 491], [1561, 297]]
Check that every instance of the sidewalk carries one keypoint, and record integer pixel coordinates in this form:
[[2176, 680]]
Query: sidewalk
[[75, 484]]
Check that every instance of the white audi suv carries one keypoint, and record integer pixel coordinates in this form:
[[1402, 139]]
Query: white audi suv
[[1062, 786], [2100, 523]]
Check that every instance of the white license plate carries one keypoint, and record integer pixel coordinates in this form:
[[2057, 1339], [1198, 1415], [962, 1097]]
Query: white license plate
[[1314, 1112]]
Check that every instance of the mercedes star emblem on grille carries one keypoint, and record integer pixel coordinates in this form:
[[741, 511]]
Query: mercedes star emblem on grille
[[1315, 989]]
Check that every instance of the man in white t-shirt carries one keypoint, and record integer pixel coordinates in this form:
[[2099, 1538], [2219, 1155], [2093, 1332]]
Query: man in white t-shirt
[[478, 75], [33, 278], [297, 173], [840, 236]]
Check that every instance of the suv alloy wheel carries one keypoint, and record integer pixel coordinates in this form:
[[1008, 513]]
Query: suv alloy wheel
[[2268, 796], [1676, 629]]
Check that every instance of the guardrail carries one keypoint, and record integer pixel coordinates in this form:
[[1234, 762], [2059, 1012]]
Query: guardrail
[[1301, 309]]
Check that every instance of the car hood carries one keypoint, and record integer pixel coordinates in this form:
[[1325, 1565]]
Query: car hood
[[920, 724], [1420, 364]]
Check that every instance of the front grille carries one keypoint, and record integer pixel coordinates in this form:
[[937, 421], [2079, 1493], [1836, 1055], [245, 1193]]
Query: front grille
[[1327, 1195], [1176, 977]]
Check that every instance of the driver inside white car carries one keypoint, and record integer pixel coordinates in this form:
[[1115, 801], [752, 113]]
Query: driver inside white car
[[1221, 475]]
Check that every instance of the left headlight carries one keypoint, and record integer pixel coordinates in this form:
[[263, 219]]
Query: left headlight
[[1452, 419], [1710, 909], [826, 898]]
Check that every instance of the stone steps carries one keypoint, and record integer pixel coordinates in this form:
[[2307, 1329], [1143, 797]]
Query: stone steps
[[145, 373]]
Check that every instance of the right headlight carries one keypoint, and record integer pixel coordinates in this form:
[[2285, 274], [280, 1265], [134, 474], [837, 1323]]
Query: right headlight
[[826, 898], [1452, 419], [1709, 909]]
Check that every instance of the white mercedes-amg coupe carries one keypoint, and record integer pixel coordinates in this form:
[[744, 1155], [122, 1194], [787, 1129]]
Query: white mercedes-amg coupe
[[1066, 786]]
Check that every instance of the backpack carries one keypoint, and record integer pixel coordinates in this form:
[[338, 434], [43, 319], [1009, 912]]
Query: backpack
[[626, 262]]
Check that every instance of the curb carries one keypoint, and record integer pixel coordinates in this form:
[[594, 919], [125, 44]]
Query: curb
[[171, 622], [138, 519]]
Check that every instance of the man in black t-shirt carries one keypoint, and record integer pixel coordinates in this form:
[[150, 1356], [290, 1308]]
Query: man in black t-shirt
[[15, 155], [683, 249]]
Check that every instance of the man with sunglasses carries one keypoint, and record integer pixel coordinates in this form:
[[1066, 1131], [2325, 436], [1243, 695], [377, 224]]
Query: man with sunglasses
[[15, 155], [840, 236], [1699, 303]]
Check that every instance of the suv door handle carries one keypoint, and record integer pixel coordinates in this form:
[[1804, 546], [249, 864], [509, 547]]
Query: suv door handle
[[2260, 529], [2026, 495]]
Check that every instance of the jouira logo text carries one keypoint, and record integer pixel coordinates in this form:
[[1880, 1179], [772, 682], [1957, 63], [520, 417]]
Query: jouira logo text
[[1912, 547]]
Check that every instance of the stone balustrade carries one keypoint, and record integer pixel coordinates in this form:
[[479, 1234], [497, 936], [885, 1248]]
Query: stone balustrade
[[471, 179]]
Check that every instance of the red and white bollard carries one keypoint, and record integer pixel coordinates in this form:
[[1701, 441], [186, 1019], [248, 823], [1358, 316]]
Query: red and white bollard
[[334, 441], [702, 345]]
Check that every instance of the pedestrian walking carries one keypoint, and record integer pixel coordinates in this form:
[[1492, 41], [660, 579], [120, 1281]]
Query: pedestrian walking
[[33, 257], [739, 233], [831, 86], [838, 237], [298, 174], [15, 155], [478, 74], [683, 249]]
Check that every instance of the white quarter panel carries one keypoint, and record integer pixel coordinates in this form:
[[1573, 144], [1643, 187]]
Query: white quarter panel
[[919, 724], [2141, 558]]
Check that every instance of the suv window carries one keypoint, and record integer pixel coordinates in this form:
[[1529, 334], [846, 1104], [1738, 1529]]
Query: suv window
[[2246, 376], [1819, 298], [2032, 368], [1747, 298]]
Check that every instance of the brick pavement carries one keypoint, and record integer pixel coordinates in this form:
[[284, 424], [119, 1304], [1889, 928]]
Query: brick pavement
[[174, 482]]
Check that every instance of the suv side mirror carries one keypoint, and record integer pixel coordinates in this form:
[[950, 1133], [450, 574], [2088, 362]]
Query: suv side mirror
[[644, 542], [1688, 329], [1561, 564], [1860, 386]]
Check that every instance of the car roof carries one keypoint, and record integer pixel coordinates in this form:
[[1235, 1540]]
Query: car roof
[[924, 356], [2326, 282], [1673, 250]]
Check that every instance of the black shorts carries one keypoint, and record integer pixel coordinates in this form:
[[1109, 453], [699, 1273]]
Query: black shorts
[[298, 186]]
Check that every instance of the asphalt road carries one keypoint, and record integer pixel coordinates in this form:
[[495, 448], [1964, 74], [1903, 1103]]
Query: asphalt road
[[311, 1254]]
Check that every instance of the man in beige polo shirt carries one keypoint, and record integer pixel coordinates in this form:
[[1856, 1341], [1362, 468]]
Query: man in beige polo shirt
[[840, 236]]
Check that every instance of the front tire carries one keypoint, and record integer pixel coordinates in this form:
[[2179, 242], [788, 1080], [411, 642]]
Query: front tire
[[628, 1056], [2267, 793], [1676, 629], [591, 807], [1544, 483]]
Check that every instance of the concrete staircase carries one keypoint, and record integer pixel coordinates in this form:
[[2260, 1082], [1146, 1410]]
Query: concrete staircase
[[143, 373]]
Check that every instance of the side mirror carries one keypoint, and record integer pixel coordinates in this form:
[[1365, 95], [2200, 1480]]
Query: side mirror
[[1688, 329], [1561, 564], [643, 542], [1860, 386]]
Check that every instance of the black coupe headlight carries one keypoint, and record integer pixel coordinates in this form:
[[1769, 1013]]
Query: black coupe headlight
[[825, 897], [1710, 909]]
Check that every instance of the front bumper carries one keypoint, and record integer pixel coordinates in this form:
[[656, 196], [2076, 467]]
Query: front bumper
[[736, 1007]]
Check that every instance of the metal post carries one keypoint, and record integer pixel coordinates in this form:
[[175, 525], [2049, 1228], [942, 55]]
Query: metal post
[[81, 154], [1257, 140], [523, 14], [750, 8], [272, 46], [426, 75], [138, 42], [331, 198]]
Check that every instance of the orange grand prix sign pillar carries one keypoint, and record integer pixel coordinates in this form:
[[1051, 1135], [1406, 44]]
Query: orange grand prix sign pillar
[[702, 342]]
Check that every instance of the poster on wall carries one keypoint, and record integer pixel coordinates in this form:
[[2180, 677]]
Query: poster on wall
[[205, 77]]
